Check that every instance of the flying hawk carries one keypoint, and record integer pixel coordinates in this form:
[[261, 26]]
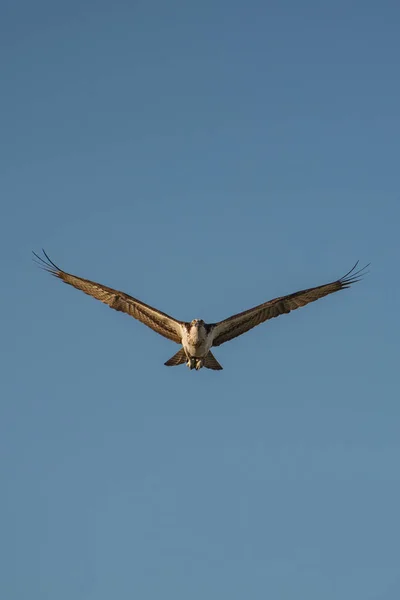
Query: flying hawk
[[197, 337]]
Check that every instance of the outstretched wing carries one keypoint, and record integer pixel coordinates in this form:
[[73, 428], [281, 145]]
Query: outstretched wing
[[236, 325], [153, 318]]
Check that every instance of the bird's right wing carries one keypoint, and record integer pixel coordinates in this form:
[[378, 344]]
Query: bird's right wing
[[158, 321]]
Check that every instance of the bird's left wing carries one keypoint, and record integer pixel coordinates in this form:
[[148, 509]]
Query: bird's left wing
[[236, 325], [158, 321]]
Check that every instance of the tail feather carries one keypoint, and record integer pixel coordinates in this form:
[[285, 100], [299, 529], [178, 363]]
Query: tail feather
[[177, 359], [210, 362]]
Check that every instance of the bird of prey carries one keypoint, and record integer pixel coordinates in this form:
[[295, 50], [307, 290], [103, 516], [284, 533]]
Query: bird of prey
[[197, 337]]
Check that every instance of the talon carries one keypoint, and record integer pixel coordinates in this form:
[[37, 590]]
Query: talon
[[199, 364]]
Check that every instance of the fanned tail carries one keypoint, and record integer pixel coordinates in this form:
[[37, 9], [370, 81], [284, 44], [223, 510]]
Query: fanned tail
[[177, 359], [210, 362]]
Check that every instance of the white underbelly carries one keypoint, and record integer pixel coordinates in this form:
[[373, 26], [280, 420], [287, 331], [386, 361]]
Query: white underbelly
[[196, 342], [199, 350]]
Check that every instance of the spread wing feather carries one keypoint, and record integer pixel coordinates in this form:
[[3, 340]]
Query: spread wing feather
[[158, 321], [238, 324]]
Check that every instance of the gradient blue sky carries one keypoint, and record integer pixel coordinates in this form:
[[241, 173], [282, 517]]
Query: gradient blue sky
[[204, 157]]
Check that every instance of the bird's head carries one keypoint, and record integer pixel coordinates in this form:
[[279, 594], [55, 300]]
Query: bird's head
[[197, 323]]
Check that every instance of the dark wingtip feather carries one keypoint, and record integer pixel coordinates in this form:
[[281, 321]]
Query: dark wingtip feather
[[46, 265], [353, 276]]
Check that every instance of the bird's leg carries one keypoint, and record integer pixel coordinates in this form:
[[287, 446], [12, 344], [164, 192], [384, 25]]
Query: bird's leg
[[191, 362], [199, 363]]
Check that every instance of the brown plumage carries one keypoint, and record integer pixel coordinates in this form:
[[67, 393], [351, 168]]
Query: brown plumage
[[158, 321], [198, 337], [238, 324]]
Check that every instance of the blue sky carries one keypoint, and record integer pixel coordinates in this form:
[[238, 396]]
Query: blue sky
[[203, 157]]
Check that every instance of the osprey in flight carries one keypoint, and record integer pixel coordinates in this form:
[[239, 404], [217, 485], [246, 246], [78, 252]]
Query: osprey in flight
[[198, 337]]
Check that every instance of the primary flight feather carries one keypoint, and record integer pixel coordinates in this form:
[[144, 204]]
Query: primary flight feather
[[198, 337]]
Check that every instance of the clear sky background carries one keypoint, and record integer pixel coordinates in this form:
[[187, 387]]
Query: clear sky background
[[203, 157]]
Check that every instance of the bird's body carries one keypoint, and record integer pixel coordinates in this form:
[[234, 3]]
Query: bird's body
[[197, 337]]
